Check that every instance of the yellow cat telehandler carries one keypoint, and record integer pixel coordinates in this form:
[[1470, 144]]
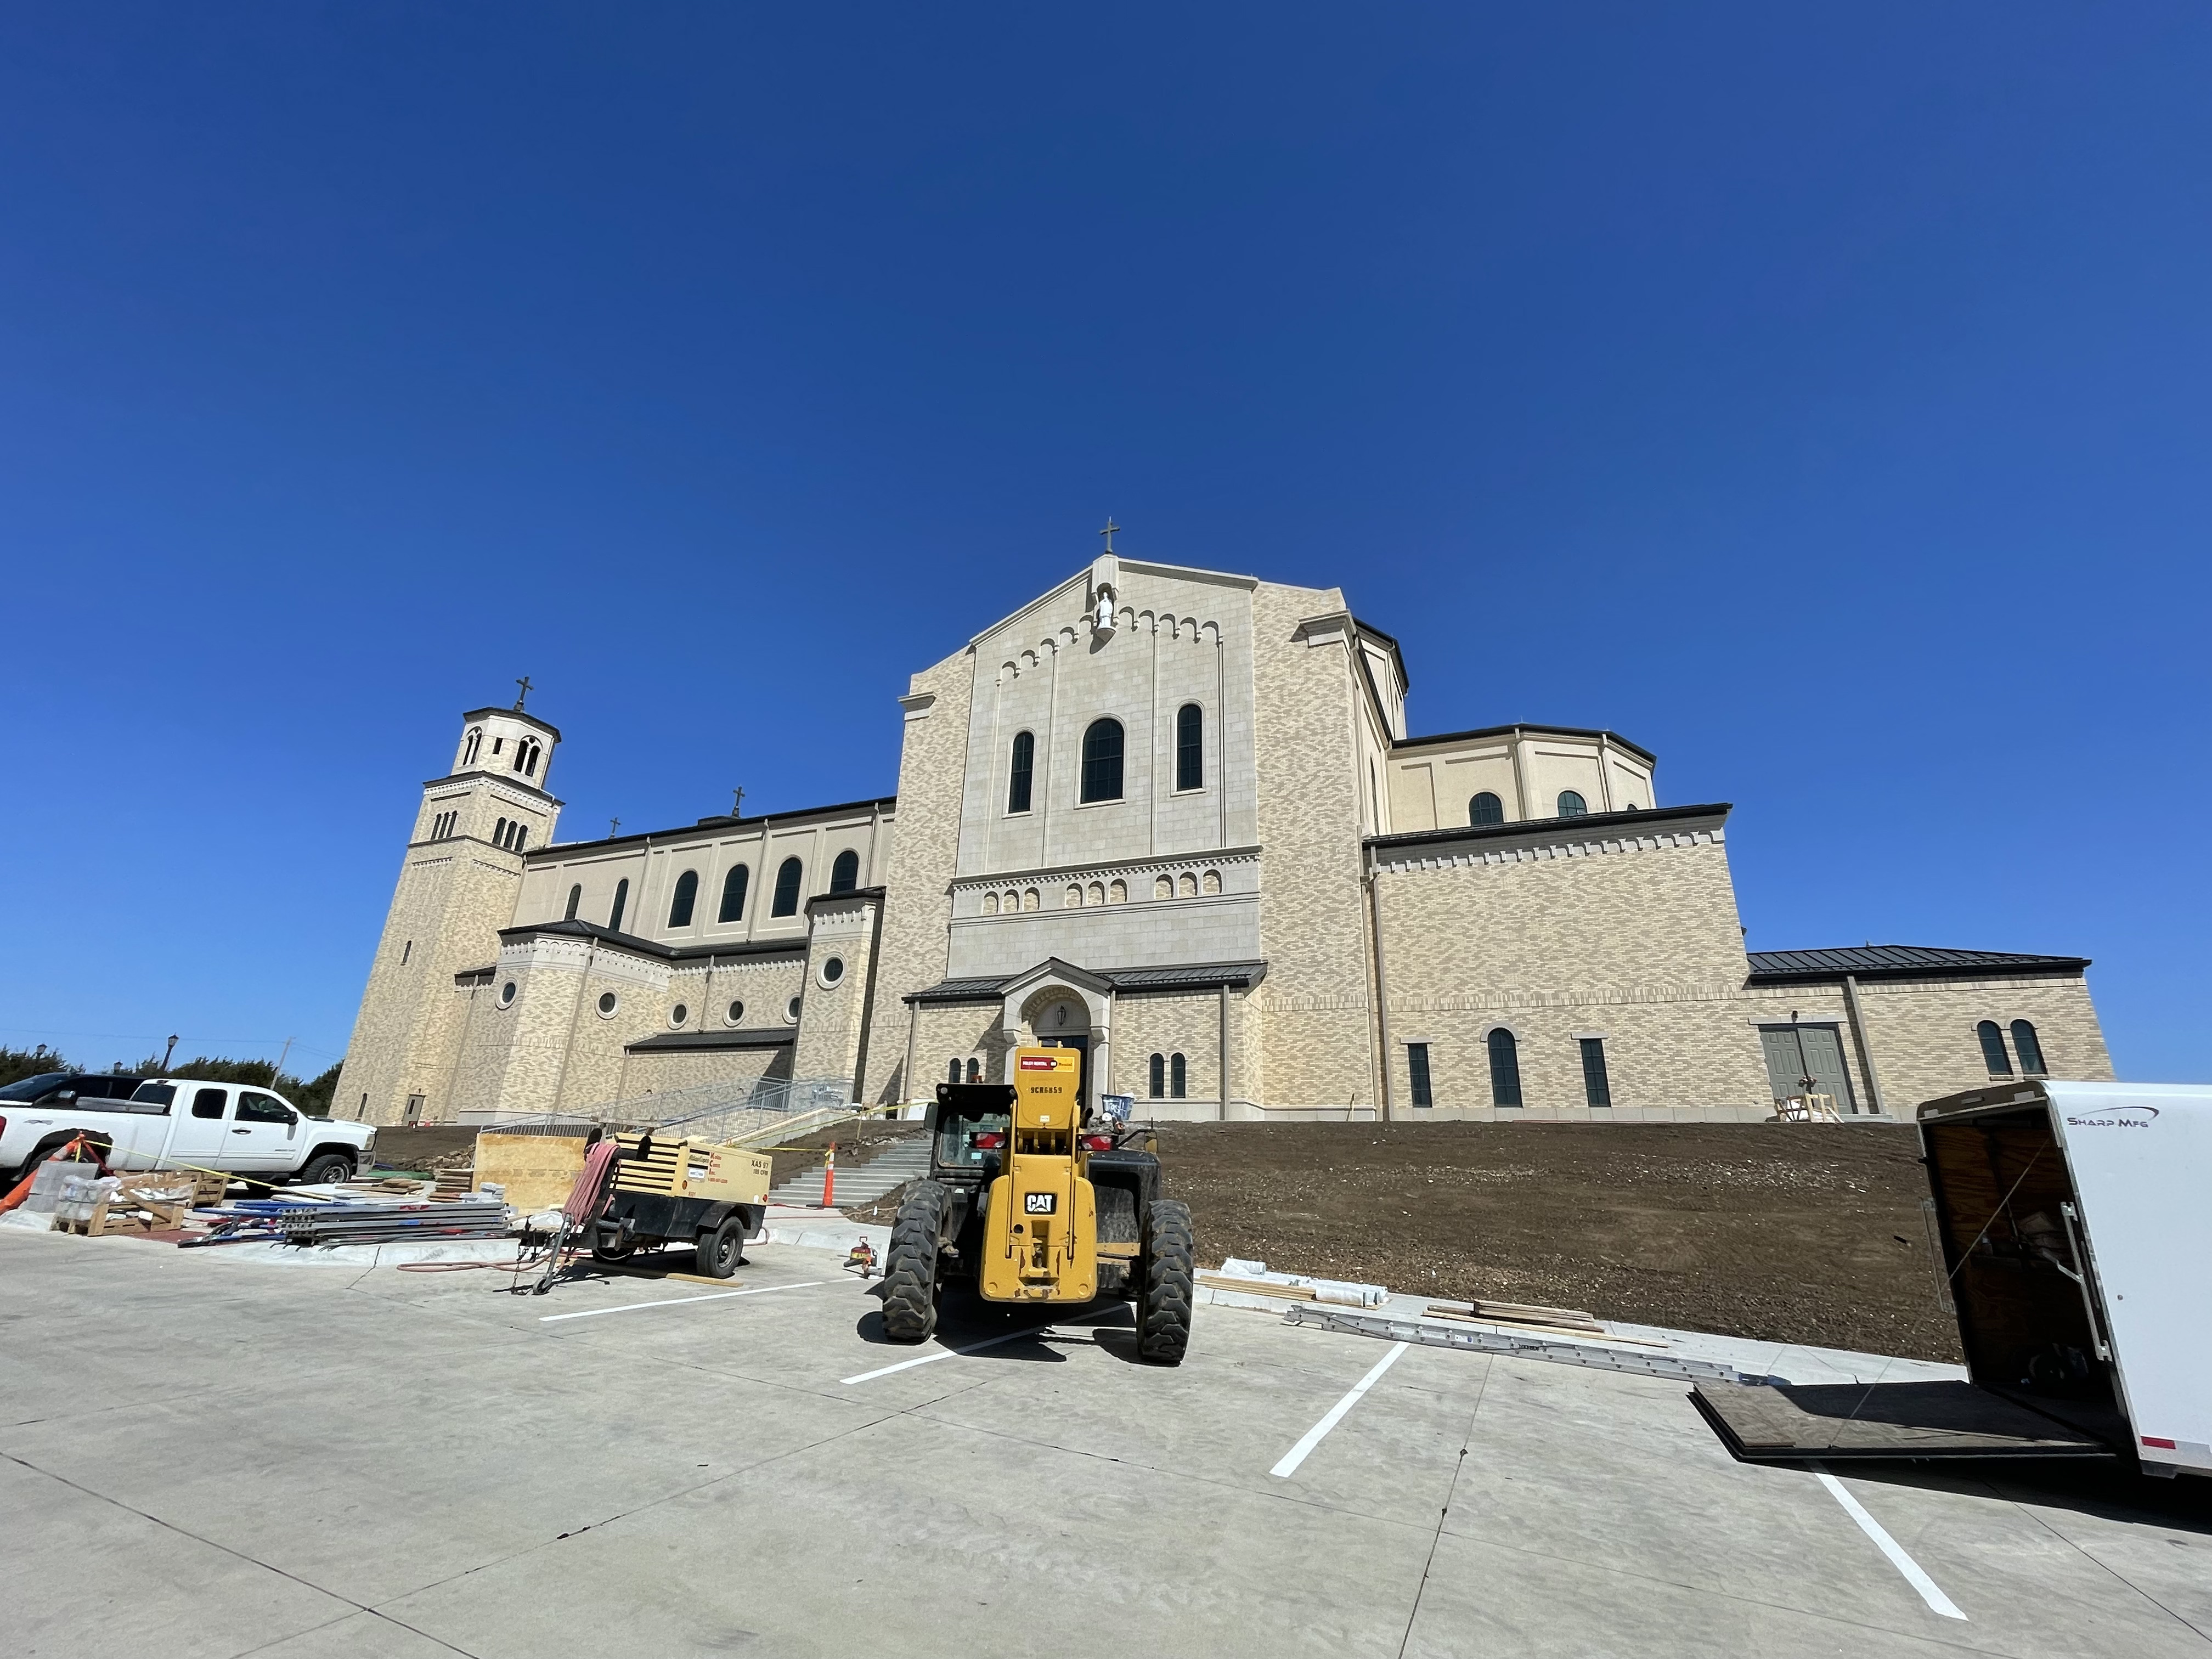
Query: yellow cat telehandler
[[1029, 1203]]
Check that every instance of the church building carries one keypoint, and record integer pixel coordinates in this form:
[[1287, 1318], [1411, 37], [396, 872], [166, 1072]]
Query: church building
[[1175, 819]]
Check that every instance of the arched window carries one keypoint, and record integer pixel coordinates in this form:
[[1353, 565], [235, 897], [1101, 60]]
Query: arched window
[[787, 875], [1572, 806], [521, 836], [1504, 1068], [733, 894], [845, 873], [471, 745], [1018, 774], [1178, 1077], [953, 1071], [2028, 1046], [499, 833], [621, 903], [990, 904], [1073, 900], [575, 898], [1118, 893], [1993, 1048], [1486, 808], [526, 758], [1160, 1076], [1190, 747], [687, 895], [1102, 761], [974, 1071]]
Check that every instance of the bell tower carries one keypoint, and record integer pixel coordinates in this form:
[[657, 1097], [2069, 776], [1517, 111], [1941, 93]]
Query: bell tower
[[458, 883]]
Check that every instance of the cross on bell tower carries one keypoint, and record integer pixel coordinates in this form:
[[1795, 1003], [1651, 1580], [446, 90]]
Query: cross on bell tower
[[523, 689]]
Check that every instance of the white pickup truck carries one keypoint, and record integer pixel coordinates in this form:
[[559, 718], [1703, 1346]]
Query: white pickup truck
[[168, 1123]]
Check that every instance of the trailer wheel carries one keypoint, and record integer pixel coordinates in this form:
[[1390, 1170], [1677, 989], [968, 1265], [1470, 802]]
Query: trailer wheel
[[720, 1248], [910, 1265], [1170, 1252]]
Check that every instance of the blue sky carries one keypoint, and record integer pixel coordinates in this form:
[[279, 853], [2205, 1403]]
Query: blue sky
[[1819, 398]]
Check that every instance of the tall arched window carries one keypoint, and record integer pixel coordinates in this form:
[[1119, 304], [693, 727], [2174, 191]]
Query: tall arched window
[[1486, 808], [1020, 773], [687, 895], [1190, 747], [621, 903], [1178, 1077], [788, 876], [845, 873], [733, 894], [575, 898], [1993, 1048], [499, 833], [1504, 1068], [521, 836], [1158, 1079], [471, 745], [526, 758], [1102, 761], [1572, 806], [953, 1071], [974, 1071], [2028, 1046]]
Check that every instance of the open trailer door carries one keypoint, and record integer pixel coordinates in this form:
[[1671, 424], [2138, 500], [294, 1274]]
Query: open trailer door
[[2078, 1248]]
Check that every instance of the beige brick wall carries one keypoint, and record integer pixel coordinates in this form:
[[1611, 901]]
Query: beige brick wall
[[661, 1071], [1923, 1034], [835, 1016], [918, 905], [1314, 1006], [449, 904], [1189, 1025], [949, 1031], [1640, 947]]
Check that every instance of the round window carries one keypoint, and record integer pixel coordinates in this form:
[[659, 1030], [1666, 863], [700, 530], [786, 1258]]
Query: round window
[[833, 970], [737, 1013], [608, 1004], [679, 1015], [791, 1009], [507, 993]]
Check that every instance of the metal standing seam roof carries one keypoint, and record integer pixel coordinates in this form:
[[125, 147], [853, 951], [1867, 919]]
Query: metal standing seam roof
[[1195, 976], [763, 1037], [1903, 961]]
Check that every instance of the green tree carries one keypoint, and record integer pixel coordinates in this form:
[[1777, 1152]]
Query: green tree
[[17, 1064]]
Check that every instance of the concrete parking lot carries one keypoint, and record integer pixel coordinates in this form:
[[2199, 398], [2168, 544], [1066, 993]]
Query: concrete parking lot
[[203, 1457]]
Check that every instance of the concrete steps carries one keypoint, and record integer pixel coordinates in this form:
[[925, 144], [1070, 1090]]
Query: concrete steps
[[861, 1183]]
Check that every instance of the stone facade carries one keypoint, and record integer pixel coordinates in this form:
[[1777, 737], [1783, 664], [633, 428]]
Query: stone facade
[[1158, 810]]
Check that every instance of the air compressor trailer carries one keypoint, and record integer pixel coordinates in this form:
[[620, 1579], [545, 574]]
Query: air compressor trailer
[[2076, 1247]]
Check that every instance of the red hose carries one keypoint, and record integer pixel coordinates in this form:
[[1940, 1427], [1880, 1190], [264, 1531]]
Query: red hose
[[589, 1195]]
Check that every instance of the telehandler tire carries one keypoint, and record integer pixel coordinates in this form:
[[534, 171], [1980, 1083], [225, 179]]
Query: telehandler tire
[[910, 1264], [1170, 1262]]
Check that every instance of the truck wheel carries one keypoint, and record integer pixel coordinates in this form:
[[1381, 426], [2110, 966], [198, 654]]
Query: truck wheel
[[720, 1247], [910, 1265], [327, 1168], [1163, 1328]]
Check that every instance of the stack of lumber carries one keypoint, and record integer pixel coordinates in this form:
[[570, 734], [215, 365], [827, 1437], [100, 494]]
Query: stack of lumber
[[1527, 1316]]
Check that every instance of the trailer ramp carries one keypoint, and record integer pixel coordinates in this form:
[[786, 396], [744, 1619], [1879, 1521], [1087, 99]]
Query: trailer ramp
[[1790, 1423]]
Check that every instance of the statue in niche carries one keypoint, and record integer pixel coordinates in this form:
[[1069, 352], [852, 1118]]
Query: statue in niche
[[1101, 615]]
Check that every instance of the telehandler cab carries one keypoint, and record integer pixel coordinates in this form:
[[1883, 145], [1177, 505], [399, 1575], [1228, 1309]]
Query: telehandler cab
[[1029, 1203]]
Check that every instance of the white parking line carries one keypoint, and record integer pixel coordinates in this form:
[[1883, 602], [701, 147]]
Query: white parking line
[[1297, 1455], [1929, 1592], [947, 1353], [676, 1301]]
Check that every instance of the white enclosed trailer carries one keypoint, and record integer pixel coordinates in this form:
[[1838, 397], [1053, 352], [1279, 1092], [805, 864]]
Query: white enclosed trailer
[[2074, 1222]]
